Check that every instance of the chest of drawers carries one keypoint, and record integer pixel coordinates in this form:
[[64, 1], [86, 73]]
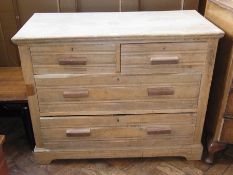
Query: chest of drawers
[[103, 85]]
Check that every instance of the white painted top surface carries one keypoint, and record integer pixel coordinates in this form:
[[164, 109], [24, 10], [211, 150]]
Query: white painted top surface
[[48, 26]]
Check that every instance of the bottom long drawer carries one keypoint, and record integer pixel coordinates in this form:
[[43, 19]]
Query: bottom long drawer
[[118, 143], [85, 132]]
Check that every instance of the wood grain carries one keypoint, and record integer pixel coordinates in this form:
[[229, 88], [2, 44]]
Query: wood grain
[[12, 86], [117, 93], [76, 80], [74, 58], [157, 58], [160, 91], [118, 107], [186, 151], [108, 133], [115, 120], [117, 143], [205, 88], [32, 100]]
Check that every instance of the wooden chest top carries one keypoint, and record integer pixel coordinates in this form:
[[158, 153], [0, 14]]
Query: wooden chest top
[[86, 26]]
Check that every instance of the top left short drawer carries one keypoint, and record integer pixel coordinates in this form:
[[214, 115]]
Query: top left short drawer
[[73, 58]]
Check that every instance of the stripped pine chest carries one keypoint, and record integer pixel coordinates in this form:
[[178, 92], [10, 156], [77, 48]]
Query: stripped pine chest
[[106, 85]]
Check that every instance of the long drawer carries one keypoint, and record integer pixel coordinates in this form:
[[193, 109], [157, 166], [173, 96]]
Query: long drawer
[[74, 58], [160, 58], [117, 94], [117, 131]]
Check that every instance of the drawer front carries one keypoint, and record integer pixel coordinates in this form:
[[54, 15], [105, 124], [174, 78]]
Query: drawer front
[[76, 58], [114, 94], [227, 131], [160, 58], [103, 93], [117, 131]]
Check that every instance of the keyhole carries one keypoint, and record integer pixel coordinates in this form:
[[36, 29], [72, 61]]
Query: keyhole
[[118, 120]]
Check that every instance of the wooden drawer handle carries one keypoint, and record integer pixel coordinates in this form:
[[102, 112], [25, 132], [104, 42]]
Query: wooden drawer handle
[[159, 130], [78, 132], [160, 91], [156, 60], [72, 61], [76, 94]]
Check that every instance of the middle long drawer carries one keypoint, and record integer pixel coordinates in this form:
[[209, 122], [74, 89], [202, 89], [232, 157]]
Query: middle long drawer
[[117, 94]]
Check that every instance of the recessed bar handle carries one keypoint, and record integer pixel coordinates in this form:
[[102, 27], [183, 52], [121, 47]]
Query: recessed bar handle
[[72, 61], [156, 60], [78, 132], [153, 91], [76, 94], [158, 130]]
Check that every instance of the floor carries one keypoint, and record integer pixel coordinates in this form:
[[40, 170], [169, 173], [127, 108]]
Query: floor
[[21, 162]]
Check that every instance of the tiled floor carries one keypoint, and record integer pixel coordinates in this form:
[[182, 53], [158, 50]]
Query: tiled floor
[[21, 162]]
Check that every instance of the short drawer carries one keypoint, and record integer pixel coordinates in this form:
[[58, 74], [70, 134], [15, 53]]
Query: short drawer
[[85, 132], [76, 58], [117, 94], [152, 58]]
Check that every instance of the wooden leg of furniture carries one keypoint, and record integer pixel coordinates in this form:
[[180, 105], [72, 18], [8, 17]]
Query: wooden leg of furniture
[[214, 147], [196, 152]]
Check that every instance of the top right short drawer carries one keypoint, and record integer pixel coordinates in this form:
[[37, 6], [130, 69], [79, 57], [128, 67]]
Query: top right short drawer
[[153, 58]]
